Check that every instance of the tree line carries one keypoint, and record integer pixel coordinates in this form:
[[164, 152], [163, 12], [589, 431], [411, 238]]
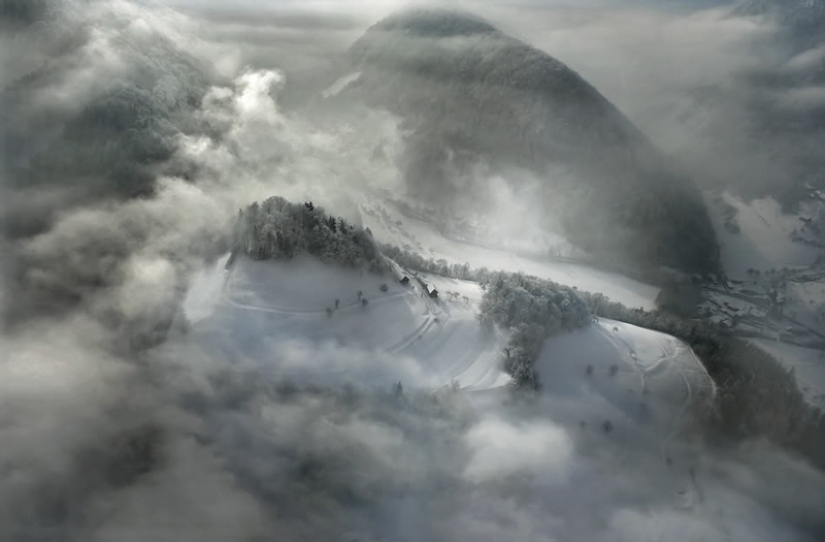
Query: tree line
[[279, 229], [532, 309]]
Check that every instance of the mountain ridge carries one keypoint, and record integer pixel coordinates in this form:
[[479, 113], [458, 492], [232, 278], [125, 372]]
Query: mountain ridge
[[468, 94]]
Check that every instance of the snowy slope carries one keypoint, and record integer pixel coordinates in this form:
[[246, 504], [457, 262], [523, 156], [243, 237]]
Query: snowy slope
[[807, 364], [765, 237], [775, 263], [639, 380], [611, 380], [391, 226], [276, 313], [205, 291], [805, 302], [340, 84]]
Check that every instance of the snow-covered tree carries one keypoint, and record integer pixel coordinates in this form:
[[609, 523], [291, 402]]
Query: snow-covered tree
[[276, 228]]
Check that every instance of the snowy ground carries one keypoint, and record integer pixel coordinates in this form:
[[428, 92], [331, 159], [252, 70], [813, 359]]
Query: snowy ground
[[637, 378], [805, 302], [276, 313], [629, 399], [389, 225], [808, 365], [764, 240], [276, 310], [771, 258]]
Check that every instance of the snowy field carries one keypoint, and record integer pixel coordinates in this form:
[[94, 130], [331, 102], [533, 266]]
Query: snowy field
[[764, 241], [772, 250], [628, 398], [284, 315], [256, 309], [805, 302], [389, 225], [807, 364], [637, 379]]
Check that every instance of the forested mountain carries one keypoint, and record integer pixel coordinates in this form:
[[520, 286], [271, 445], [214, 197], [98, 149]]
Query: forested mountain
[[783, 100], [93, 104], [114, 121], [469, 94]]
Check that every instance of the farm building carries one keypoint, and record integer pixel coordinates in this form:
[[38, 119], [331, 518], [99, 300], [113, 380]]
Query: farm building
[[429, 288], [399, 273]]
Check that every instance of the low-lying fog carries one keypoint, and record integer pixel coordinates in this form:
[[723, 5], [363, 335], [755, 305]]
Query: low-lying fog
[[132, 134]]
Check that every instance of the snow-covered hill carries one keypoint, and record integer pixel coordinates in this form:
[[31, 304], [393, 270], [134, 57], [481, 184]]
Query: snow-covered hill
[[639, 380], [277, 313]]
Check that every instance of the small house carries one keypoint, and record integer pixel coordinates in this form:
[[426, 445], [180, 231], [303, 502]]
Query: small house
[[399, 273], [431, 291]]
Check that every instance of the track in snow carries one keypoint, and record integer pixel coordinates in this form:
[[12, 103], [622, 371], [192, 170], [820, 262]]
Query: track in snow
[[264, 305]]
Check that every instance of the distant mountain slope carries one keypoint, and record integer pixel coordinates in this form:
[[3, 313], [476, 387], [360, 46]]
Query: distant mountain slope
[[87, 124], [808, 14], [471, 95], [785, 100]]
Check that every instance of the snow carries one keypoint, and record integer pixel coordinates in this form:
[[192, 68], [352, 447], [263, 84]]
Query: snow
[[640, 379], [205, 290], [275, 313], [764, 241], [340, 84], [782, 248], [808, 365], [805, 302], [418, 235]]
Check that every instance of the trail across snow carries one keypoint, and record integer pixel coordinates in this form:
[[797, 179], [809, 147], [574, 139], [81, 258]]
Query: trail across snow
[[264, 310], [258, 310], [642, 384], [609, 377]]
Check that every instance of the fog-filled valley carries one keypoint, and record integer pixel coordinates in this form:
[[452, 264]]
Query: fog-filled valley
[[392, 271]]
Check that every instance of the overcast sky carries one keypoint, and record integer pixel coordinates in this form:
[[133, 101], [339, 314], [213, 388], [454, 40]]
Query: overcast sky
[[342, 5]]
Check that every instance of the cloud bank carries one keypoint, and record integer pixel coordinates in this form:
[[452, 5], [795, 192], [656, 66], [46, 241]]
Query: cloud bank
[[116, 428]]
